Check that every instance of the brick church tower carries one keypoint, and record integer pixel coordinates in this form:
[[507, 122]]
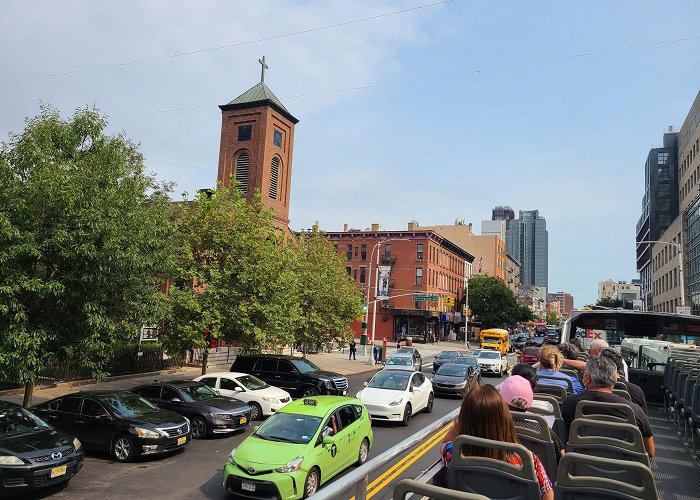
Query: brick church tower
[[257, 135]]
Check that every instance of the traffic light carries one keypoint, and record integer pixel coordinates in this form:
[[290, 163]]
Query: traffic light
[[450, 302]]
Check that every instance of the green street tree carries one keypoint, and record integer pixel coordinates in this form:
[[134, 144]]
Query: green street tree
[[494, 304], [234, 277], [329, 299], [553, 318], [83, 236]]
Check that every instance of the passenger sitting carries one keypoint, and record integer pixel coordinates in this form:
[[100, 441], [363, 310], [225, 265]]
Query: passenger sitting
[[550, 362], [599, 379], [517, 393], [484, 414], [636, 392], [529, 373], [569, 350]]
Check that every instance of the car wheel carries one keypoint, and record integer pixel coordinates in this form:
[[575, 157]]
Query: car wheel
[[364, 451], [123, 448], [255, 411], [310, 392], [199, 427], [429, 406], [312, 482], [407, 415]]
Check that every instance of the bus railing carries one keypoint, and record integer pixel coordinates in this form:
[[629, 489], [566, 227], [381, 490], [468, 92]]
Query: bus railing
[[355, 482]]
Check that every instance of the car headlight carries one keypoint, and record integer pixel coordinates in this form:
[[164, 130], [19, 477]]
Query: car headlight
[[397, 401], [10, 460], [292, 466], [463, 384], [77, 444], [147, 433], [230, 456], [274, 401]]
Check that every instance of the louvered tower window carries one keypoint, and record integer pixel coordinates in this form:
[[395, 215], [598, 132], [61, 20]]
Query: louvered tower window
[[243, 171], [274, 177]]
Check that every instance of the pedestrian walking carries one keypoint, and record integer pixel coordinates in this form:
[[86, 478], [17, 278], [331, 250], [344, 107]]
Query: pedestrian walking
[[353, 349]]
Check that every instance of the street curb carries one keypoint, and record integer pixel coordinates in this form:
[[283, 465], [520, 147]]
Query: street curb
[[91, 381]]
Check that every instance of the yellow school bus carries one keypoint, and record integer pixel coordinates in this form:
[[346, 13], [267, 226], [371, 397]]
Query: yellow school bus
[[496, 339]]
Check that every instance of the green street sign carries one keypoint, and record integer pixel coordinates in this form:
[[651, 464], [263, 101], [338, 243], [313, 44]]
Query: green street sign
[[425, 298]]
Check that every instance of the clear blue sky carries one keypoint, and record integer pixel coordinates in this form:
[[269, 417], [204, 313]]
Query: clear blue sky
[[567, 136]]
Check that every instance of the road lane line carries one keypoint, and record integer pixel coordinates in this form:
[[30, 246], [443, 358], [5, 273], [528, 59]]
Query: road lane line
[[405, 466]]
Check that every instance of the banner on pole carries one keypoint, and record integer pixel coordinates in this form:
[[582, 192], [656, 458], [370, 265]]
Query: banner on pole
[[383, 282]]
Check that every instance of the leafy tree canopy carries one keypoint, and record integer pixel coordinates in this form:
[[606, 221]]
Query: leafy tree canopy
[[494, 304]]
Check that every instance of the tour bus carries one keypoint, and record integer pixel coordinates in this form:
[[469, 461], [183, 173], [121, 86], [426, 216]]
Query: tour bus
[[495, 339], [662, 352]]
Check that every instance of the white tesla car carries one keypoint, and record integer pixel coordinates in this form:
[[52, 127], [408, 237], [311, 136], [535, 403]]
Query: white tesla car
[[396, 395], [262, 398]]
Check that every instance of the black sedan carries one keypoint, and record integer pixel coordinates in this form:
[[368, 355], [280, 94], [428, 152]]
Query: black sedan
[[209, 412], [118, 422], [454, 379], [470, 361], [33, 455], [445, 357], [518, 341]]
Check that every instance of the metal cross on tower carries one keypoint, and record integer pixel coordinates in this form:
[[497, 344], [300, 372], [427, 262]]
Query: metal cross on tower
[[264, 67]]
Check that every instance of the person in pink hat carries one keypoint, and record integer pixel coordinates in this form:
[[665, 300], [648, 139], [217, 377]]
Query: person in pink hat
[[516, 391]]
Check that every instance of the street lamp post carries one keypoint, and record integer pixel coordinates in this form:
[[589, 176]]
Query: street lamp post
[[679, 248]]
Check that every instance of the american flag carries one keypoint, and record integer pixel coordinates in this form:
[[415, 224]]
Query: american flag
[[481, 263]]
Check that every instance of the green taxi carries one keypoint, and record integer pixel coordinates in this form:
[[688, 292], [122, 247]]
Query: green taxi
[[300, 447]]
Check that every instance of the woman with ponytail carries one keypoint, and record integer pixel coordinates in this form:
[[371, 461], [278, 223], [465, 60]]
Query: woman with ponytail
[[550, 362]]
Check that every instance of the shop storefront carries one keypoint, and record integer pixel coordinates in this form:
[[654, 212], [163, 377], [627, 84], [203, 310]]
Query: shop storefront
[[416, 323]]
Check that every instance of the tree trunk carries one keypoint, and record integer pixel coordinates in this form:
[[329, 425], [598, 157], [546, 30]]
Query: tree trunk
[[28, 392], [205, 357]]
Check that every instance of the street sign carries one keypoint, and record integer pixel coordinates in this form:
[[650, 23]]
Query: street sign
[[683, 310], [425, 298], [149, 334]]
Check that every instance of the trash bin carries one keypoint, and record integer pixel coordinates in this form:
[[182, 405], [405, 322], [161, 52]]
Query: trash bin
[[363, 339], [409, 341]]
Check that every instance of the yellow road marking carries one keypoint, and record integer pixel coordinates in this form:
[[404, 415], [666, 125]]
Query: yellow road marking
[[406, 465]]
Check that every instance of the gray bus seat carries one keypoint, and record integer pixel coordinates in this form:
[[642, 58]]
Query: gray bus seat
[[538, 441], [622, 394], [572, 372], [494, 478], [609, 412], [406, 487], [572, 487], [688, 400], [558, 427], [545, 378], [557, 391]]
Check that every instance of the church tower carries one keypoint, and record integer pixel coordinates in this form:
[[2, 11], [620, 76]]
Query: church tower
[[257, 135]]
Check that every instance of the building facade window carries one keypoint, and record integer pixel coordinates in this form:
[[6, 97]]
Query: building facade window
[[662, 158], [348, 251], [355, 250], [419, 251], [419, 276], [277, 138], [349, 270], [274, 176], [243, 171], [363, 274], [387, 250], [363, 252], [245, 132]]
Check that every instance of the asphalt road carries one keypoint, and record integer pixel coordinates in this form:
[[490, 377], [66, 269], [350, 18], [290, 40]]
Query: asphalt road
[[196, 472]]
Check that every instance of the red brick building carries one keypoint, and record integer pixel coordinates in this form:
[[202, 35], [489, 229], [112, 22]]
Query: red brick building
[[564, 300], [422, 263]]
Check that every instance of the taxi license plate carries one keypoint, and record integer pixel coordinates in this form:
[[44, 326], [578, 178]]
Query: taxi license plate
[[246, 486], [181, 440], [58, 471], [243, 420]]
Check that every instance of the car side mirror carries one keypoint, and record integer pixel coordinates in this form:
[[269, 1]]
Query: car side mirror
[[328, 440], [237, 389], [175, 400]]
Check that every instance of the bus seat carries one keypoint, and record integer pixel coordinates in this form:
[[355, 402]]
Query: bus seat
[[694, 418], [538, 441], [493, 478], [407, 487], [620, 385], [559, 427], [545, 378], [557, 391], [610, 412], [572, 372], [572, 487], [688, 398], [622, 394]]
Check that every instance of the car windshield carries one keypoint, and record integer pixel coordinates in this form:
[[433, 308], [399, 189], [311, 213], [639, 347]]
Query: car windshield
[[466, 360], [490, 341], [18, 421], [400, 360], [252, 383], [304, 365], [452, 370], [128, 406], [405, 350], [390, 381], [531, 352], [288, 428], [448, 355], [489, 355], [199, 392]]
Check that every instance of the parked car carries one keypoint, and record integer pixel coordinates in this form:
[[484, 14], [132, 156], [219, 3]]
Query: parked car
[[118, 422], [208, 412], [299, 448], [414, 352], [445, 357], [492, 362], [454, 379], [298, 376], [472, 361], [530, 355], [34, 455], [262, 398], [396, 395], [403, 361]]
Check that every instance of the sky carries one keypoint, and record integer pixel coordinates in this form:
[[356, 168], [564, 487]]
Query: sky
[[422, 110]]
